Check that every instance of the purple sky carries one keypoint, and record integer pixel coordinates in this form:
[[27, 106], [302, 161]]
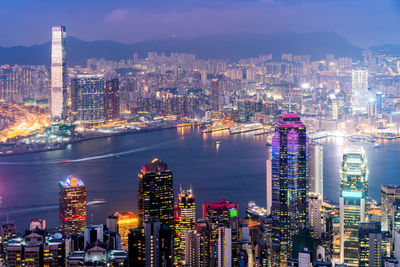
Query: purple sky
[[362, 22]]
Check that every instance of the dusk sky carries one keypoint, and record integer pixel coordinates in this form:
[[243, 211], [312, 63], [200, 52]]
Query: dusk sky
[[362, 22]]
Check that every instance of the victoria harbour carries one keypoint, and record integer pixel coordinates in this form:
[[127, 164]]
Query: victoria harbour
[[235, 169]]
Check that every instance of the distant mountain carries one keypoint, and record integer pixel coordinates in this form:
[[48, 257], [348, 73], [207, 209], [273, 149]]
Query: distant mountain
[[229, 46], [389, 49]]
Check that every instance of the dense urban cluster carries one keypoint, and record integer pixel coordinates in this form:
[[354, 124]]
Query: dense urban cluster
[[357, 99]]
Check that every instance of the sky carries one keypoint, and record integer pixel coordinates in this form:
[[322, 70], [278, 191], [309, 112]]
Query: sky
[[362, 22]]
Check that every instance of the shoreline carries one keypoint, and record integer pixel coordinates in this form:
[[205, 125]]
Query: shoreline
[[83, 139]]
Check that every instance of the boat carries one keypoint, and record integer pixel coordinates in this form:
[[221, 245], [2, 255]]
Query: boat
[[376, 145], [255, 211], [246, 128], [96, 202], [117, 156], [218, 142], [65, 161]]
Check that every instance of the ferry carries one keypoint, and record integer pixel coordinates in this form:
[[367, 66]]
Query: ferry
[[255, 211], [65, 161], [117, 156], [218, 142], [376, 145], [246, 128], [96, 202]]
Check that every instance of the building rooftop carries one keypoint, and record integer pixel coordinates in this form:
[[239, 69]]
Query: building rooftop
[[72, 181], [156, 165]]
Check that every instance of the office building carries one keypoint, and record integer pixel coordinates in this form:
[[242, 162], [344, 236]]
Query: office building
[[87, 99], [155, 193], [370, 244], [137, 247], [359, 85], [72, 205], [159, 244], [93, 233], [185, 220], [289, 185], [125, 222], [314, 214], [389, 193], [59, 93], [224, 247], [111, 100], [353, 202], [316, 169]]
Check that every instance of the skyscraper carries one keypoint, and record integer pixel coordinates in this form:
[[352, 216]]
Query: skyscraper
[[72, 205], [87, 93], [125, 222], [370, 244], [389, 193], [289, 185], [359, 84], [111, 100], [224, 247], [185, 220], [59, 93], [353, 200], [155, 193], [316, 169], [314, 214], [137, 247]]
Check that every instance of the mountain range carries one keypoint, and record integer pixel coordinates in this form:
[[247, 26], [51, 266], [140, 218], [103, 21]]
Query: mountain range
[[228, 46]]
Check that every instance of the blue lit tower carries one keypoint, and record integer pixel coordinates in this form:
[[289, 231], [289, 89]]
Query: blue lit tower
[[353, 199], [289, 185]]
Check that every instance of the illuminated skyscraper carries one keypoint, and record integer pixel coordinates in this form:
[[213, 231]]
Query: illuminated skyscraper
[[111, 100], [87, 98], [155, 193], [215, 92], [314, 214], [316, 169], [353, 200], [59, 93], [224, 247], [289, 185], [72, 205], [370, 244], [359, 84], [185, 220], [137, 247], [389, 193], [125, 222]]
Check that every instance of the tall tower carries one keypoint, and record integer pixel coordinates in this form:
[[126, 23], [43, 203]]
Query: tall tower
[[72, 205], [289, 185], [111, 100], [353, 199], [59, 93], [156, 194], [185, 220], [389, 193]]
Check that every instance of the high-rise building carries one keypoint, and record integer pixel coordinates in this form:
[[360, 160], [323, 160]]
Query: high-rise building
[[185, 220], [289, 185], [353, 200], [111, 100], [192, 248], [389, 193], [317, 169], [224, 247], [59, 93], [370, 244], [268, 181], [155, 193], [159, 244], [314, 214], [125, 222], [87, 98], [72, 205], [93, 233], [215, 92], [137, 247], [204, 231], [359, 84]]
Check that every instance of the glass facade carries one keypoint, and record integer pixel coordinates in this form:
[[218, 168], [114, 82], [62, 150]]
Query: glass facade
[[72, 205], [59, 93], [290, 174], [353, 199], [88, 92]]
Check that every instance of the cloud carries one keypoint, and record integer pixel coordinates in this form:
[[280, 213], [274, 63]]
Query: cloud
[[117, 15]]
